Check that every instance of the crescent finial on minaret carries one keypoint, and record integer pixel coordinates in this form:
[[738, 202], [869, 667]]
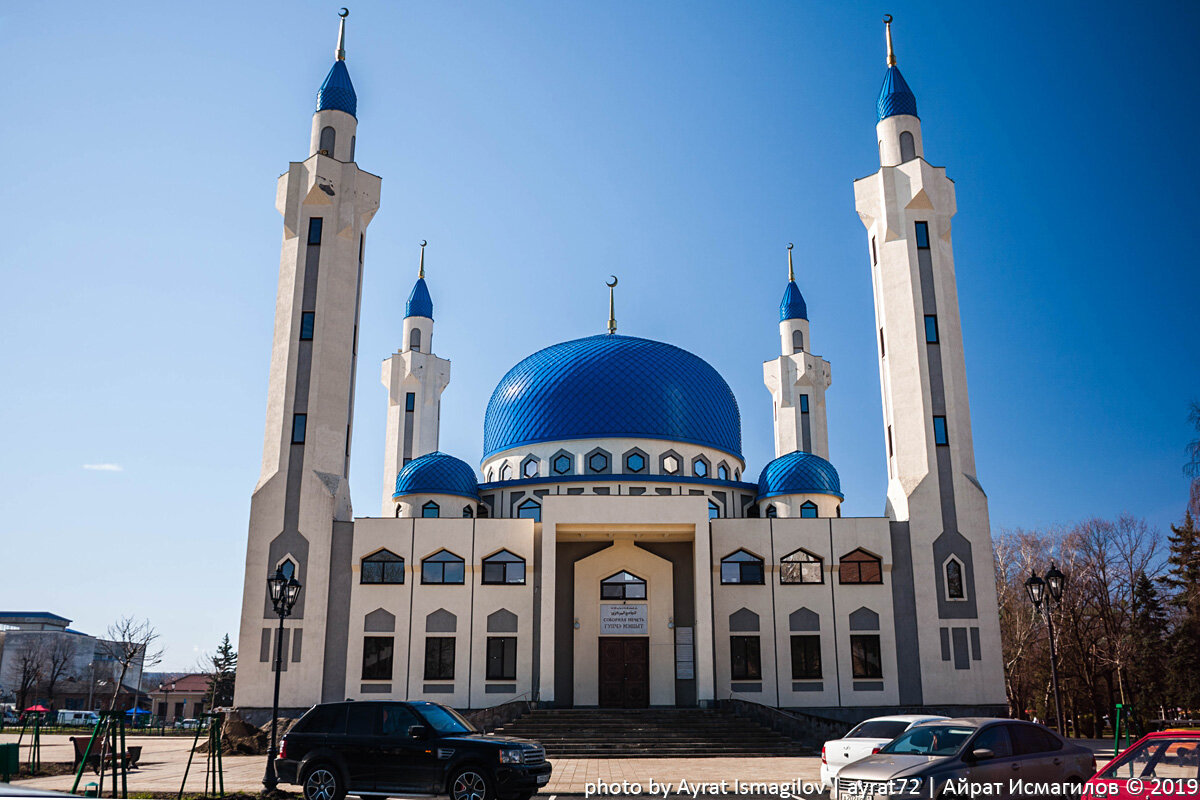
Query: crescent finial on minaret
[[612, 317], [887, 26], [341, 48], [791, 271], [421, 270]]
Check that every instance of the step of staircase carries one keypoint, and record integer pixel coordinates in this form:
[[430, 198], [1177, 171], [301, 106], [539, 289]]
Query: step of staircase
[[649, 733]]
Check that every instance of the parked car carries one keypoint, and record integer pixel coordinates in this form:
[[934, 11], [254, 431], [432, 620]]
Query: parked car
[[78, 718], [980, 750], [1160, 764], [189, 724], [394, 748], [865, 738]]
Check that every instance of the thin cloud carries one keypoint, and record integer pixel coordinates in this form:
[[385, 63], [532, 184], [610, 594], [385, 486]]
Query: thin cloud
[[104, 467]]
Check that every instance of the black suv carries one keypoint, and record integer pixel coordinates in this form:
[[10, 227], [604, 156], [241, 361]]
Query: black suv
[[384, 748]]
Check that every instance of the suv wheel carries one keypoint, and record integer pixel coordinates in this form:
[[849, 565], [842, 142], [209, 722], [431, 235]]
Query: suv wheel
[[471, 783], [322, 782]]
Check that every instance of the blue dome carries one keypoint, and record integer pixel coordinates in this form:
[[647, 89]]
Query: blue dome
[[792, 306], [337, 92], [895, 97], [437, 473], [420, 304], [799, 473], [612, 386]]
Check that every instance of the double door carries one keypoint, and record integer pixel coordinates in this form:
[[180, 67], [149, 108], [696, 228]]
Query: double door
[[624, 671]]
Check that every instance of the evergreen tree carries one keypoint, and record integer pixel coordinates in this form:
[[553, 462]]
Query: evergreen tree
[[1149, 634], [1183, 578], [224, 669]]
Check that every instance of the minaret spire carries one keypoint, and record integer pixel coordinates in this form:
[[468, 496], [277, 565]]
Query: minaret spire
[[341, 48], [887, 26], [612, 317], [791, 270], [421, 271]]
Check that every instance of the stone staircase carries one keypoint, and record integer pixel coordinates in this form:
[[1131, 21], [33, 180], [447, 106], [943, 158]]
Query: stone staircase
[[649, 733]]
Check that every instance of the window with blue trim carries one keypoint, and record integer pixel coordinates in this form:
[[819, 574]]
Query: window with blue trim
[[443, 567], [940, 435], [808, 510], [931, 329], [530, 509], [431, 510], [299, 424], [314, 230], [307, 322], [923, 235]]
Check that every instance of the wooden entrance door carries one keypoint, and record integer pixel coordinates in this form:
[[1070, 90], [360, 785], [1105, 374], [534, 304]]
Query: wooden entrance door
[[624, 671]]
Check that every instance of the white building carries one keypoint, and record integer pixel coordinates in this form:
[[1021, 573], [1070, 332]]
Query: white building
[[613, 550]]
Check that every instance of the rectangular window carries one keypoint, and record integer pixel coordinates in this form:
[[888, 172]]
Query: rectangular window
[[439, 658], [874, 254], [410, 401], [806, 657], [377, 658], [745, 659], [931, 330], [307, 320], [923, 235], [314, 230], [864, 656], [882, 349], [299, 423], [940, 437], [803, 404], [502, 658]]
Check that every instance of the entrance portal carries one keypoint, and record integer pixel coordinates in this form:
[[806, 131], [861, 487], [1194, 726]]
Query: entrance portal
[[624, 672]]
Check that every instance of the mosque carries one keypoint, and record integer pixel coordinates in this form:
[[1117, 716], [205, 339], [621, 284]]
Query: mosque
[[614, 549]]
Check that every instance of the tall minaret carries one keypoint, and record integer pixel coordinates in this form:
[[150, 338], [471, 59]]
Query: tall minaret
[[797, 379], [933, 494], [415, 380], [302, 501]]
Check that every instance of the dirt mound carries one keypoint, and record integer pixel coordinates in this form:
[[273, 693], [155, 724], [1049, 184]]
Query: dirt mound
[[239, 737]]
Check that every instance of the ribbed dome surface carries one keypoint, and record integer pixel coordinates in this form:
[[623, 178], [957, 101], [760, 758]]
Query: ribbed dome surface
[[612, 386], [420, 304], [437, 473], [792, 306], [895, 97], [337, 92], [799, 473]]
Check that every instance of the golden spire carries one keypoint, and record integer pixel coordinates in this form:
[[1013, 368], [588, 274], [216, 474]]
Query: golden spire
[[612, 317], [791, 271], [341, 48], [887, 25], [421, 271]]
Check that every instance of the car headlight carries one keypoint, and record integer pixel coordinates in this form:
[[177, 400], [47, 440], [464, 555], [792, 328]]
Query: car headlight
[[510, 757]]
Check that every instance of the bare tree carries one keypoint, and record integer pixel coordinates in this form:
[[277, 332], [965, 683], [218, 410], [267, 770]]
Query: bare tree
[[60, 656], [130, 642], [30, 662]]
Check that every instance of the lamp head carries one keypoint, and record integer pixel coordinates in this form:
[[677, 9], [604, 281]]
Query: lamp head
[[275, 584], [1056, 581], [1036, 588], [291, 592]]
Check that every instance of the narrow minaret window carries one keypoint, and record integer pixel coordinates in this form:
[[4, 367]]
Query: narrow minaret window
[[307, 323], [908, 146], [797, 341], [414, 339], [299, 424], [314, 230], [328, 137]]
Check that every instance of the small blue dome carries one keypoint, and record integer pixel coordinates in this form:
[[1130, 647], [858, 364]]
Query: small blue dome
[[799, 473], [792, 306], [437, 473], [337, 92], [612, 386], [895, 97], [420, 304]]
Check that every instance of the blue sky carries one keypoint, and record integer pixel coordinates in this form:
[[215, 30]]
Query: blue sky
[[539, 147]]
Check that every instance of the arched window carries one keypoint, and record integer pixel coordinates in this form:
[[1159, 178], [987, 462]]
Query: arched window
[[530, 509], [797, 341], [955, 587], [623, 586], [772, 512], [801, 566], [504, 568], [808, 510], [859, 566], [908, 147], [431, 510], [443, 567], [414, 339], [382, 567], [742, 567], [328, 137], [352, 143], [467, 512], [714, 510]]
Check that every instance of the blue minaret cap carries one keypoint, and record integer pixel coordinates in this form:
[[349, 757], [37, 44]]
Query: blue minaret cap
[[792, 306], [337, 92], [895, 97], [420, 304]]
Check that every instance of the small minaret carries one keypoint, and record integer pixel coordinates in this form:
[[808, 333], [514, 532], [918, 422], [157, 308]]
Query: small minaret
[[797, 379], [415, 380], [303, 495], [933, 495]]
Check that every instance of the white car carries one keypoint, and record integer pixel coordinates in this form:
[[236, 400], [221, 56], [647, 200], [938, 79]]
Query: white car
[[865, 738]]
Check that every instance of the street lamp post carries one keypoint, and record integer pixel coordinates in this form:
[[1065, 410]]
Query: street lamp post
[[284, 591], [166, 689], [1037, 588]]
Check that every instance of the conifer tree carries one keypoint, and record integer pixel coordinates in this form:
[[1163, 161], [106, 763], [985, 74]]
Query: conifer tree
[[1183, 579], [220, 680], [1149, 636]]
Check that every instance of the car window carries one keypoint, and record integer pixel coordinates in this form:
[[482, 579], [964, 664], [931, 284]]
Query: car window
[[1031, 739], [1164, 758], [930, 740], [322, 719], [877, 729], [397, 720], [362, 719], [445, 720], [995, 739]]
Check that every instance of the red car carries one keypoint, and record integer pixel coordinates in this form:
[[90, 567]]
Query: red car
[[1161, 764]]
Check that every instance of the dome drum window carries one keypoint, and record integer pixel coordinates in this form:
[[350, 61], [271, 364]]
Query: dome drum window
[[506, 472], [742, 567], [623, 586], [635, 461], [599, 462], [669, 463], [529, 467], [723, 471], [808, 510], [700, 467], [562, 463], [431, 510]]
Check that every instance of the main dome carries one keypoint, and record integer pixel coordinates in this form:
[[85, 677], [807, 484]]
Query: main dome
[[610, 386]]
